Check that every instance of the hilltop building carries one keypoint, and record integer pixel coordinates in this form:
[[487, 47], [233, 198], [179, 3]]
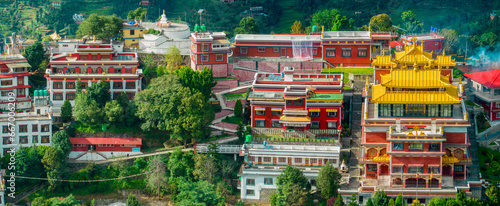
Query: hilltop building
[[170, 34], [210, 50], [32, 123], [132, 32], [90, 62], [485, 86], [414, 128]]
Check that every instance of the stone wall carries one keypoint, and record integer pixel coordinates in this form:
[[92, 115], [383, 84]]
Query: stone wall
[[271, 67], [244, 75], [225, 85], [247, 64]]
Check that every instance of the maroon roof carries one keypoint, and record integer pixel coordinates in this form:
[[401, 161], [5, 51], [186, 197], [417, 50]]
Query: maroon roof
[[94, 141], [486, 78]]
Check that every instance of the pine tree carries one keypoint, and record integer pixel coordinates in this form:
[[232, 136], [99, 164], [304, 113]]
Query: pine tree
[[238, 108], [399, 200], [66, 111]]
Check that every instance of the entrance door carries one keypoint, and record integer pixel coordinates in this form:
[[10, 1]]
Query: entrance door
[[89, 147], [289, 161], [274, 160], [307, 161], [283, 52], [447, 170]]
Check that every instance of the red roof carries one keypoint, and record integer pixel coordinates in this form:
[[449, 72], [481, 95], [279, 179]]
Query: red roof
[[396, 43], [486, 78], [94, 141]]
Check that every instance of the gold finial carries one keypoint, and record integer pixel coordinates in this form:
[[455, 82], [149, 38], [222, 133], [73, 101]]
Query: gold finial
[[163, 11], [444, 52], [367, 79], [414, 39], [415, 66], [460, 80]]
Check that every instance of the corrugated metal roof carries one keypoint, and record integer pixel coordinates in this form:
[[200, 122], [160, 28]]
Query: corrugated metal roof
[[94, 141]]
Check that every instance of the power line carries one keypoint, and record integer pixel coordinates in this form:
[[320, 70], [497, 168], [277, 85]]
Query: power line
[[101, 180]]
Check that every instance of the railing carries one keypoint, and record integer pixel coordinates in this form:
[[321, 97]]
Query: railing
[[226, 149]]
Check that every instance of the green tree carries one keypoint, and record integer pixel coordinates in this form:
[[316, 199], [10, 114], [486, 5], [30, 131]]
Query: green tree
[[290, 187], [60, 141], [380, 198], [297, 28], [87, 111], [399, 200], [198, 81], [197, 193], [381, 22], [354, 201], [132, 200], [493, 194], [157, 179], [369, 202], [339, 201], [238, 108], [99, 92], [247, 26], [29, 162], [102, 27], [169, 106], [68, 201], [331, 19], [328, 181], [411, 23], [54, 162], [42, 66], [138, 14], [488, 39], [173, 59], [35, 55], [78, 86], [66, 111], [114, 112], [47, 38], [181, 164]]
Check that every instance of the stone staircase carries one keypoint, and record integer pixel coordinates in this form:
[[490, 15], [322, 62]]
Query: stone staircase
[[310, 134]]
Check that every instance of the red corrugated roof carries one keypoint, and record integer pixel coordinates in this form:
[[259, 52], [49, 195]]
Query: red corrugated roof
[[396, 43], [486, 78], [94, 141]]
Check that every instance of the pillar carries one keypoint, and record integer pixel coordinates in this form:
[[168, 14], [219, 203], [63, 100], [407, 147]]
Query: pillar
[[77, 70], [439, 183], [89, 70], [465, 172], [90, 56], [111, 57], [111, 70], [123, 70], [427, 183], [404, 182], [99, 56]]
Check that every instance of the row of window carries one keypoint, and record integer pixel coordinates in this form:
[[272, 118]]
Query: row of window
[[415, 169], [415, 110], [72, 85], [72, 96], [267, 181], [279, 113], [244, 50], [218, 58], [92, 71], [314, 124], [346, 52], [105, 145], [289, 159], [24, 128], [416, 146], [24, 139]]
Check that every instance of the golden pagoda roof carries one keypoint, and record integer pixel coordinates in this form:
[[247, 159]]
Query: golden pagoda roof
[[55, 36], [295, 119], [449, 160], [413, 55], [381, 95], [415, 78]]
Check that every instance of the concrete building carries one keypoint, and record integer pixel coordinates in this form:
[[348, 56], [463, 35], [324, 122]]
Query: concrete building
[[14, 79], [210, 50], [485, 86], [297, 105], [414, 128], [92, 149], [264, 162], [132, 32], [90, 62]]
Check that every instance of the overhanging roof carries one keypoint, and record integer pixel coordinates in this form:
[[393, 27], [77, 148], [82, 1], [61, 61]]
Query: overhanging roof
[[487, 78], [18, 65], [94, 141]]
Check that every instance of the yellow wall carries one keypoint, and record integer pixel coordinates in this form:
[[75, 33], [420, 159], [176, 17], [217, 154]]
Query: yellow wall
[[129, 42], [137, 34]]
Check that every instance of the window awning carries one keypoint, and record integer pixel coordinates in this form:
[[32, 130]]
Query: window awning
[[295, 120], [277, 109], [260, 109], [315, 110], [18, 65], [331, 110], [220, 41]]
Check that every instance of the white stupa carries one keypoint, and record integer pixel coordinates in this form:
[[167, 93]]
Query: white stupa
[[163, 21]]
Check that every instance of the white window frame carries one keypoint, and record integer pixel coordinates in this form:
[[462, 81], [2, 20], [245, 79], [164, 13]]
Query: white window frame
[[217, 57], [276, 49], [205, 58], [205, 47], [261, 49], [243, 50]]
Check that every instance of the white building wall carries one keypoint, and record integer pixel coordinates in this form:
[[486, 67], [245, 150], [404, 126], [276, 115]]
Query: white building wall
[[29, 121]]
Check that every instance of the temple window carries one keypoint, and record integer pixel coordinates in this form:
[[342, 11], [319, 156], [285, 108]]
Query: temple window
[[314, 114], [298, 102], [331, 124], [276, 113], [398, 110], [385, 110], [416, 146], [346, 52], [259, 123], [433, 110], [331, 114], [434, 169], [397, 146], [445, 110], [371, 167], [458, 168], [397, 169], [275, 123], [415, 169], [362, 52], [434, 147], [314, 125], [330, 52]]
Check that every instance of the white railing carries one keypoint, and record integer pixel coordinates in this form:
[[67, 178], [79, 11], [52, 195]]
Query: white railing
[[225, 149]]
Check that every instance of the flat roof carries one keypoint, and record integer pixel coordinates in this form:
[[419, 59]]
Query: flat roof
[[327, 96], [270, 37], [346, 35], [98, 140], [18, 65]]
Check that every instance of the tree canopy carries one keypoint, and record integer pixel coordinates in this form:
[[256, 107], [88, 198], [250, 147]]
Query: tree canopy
[[137, 14], [99, 92], [66, 111], [35, 55], [291, 184], [169, 106], [173, 59], [331, 19], [198, 81], [60, 141], [102, 27], [411, 23], [297, 28], [247, 26], [328, 181], [381, 22]]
